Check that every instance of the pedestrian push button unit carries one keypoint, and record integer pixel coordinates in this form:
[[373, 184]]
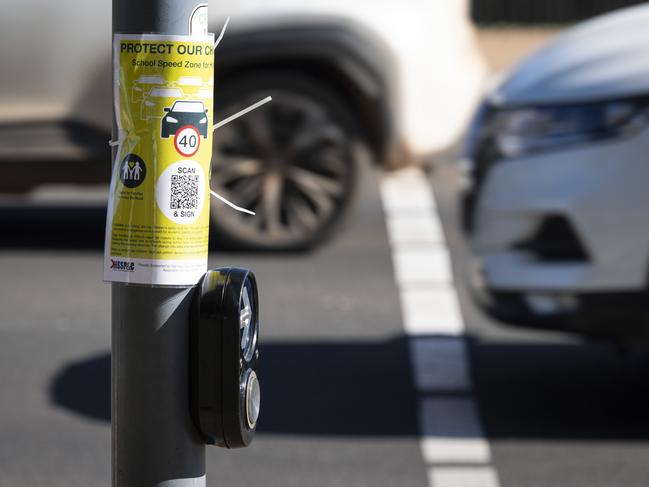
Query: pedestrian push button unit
[[224, 334]]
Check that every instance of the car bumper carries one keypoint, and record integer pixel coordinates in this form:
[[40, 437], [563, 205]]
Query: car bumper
[[574, 221], [620, 315], [561, 240]]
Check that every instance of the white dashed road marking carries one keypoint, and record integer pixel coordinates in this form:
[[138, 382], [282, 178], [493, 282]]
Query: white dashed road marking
[[414, 229], [440, 364], [453, 444], [463, 477], [431, 310], [451, 431], [421, 263]]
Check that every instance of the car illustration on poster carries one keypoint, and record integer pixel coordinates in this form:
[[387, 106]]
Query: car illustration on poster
[[139, 89], [157, 99], [184, 113], [189, 81]]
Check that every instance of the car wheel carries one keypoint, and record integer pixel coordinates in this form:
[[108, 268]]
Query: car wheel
[[294, 162]]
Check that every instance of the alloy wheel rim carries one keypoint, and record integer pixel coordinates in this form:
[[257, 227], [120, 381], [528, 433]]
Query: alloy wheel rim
[[287, 162]]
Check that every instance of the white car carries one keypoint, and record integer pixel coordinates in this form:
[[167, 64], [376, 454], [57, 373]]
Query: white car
[[557, 204], [399, 79]]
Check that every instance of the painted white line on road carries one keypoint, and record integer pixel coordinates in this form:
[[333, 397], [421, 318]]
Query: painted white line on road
[[462, 477], [414, 199], [192, 482], [406, 192], [431, 310], [451, 431], [415, 228], [453, 442], [422, 264], [440, 364]]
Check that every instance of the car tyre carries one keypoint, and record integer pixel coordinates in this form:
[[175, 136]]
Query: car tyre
[[294, 162]]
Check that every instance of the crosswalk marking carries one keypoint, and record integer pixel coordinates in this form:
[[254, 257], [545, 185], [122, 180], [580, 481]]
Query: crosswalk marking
[[453, 444], [431, 311], [463, 477], [451, 431], [422, 264], [440, 364]]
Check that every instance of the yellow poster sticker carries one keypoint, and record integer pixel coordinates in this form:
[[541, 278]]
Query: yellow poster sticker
[[157, 226]]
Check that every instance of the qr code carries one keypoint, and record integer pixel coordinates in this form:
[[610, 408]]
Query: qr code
[[184, 192]]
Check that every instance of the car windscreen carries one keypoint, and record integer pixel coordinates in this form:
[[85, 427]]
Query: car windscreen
[[188, 106]]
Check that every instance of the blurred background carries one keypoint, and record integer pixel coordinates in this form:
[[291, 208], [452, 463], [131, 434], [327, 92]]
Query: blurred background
[[451, 240]]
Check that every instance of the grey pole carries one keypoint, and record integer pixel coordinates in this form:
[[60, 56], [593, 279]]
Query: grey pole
[[154, 442]]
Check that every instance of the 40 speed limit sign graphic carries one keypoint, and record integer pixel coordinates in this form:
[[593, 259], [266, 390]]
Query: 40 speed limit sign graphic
[[187, 140]]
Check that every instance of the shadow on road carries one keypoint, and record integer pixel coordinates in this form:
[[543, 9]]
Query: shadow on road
[[55, 228], [73, 228], [568, 391], [553, 391], [356, 389]]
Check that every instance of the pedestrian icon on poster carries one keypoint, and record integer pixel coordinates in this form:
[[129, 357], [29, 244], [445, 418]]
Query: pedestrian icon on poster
[[132, 171]]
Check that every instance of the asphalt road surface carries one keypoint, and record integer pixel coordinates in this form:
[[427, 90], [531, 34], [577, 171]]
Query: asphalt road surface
[[372, 374]]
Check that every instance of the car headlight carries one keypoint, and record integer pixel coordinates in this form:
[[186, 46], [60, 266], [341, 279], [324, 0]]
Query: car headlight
[[517, 132], [171, 119], [203, 120]]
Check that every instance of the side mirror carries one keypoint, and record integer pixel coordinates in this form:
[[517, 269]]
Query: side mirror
[[167, 109], [224, 334]]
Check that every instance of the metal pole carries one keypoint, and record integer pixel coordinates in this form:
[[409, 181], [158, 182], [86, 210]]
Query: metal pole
[[154, 442]]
